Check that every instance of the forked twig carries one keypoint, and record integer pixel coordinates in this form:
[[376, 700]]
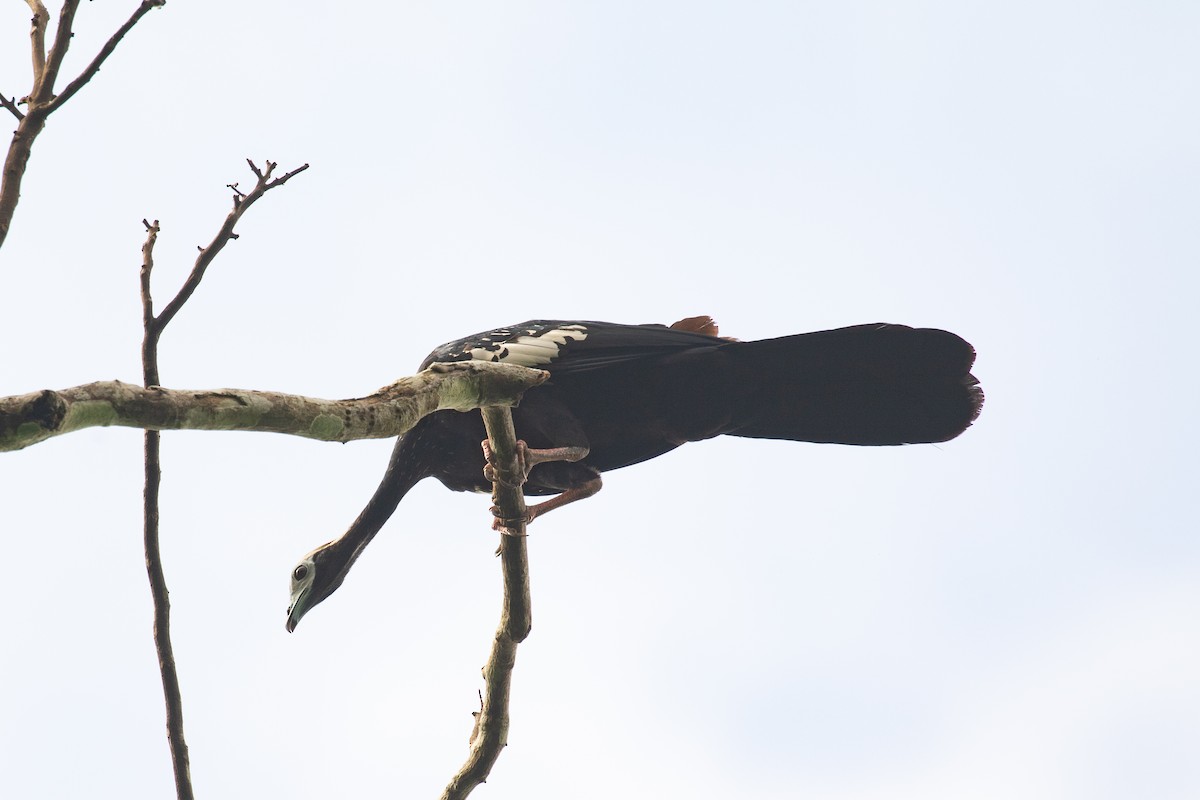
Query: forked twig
[[42, 100], [153, 326], [241, 202]]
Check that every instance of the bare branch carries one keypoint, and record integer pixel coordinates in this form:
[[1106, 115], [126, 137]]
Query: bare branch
[[43, 85], [287, 176], [153, 328], [162, 620], [14, 165], [172, 695], [91, 69], [152, 230], [31, 418], [490, 734], [241, 202], [37, 36], [11, 105], [509, 499], [41, 101]]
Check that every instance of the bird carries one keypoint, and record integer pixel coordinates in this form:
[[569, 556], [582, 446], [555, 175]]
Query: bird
[[621, 394]]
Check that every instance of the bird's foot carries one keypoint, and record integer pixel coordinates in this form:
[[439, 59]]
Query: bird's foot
[[527, 458], [510, 526], [495, 474], [534, 511], [507, 525]]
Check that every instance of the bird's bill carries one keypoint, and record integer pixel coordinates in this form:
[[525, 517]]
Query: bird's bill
[[297, 609]]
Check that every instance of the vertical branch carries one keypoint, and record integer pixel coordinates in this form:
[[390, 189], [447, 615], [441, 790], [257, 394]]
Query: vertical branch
[[516, 618], [491, 723], [28, 128], [43, 85], [153, 326], [154, 570], [37, 36], [149, 343]]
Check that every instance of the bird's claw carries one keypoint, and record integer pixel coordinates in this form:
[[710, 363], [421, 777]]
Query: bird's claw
[[494, 475], [527, 458], [511, 527]]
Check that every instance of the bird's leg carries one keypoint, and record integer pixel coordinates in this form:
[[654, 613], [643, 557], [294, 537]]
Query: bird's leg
[[569, 496], [527, 459]]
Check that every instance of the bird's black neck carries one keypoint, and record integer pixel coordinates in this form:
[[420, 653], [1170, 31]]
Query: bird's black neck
[[408, 465]]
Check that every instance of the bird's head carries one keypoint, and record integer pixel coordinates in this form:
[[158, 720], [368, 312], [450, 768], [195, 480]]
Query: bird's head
[[322, 571], [317, 576]]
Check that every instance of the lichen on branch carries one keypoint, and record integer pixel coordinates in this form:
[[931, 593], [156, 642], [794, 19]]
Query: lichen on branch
[[31, 418]]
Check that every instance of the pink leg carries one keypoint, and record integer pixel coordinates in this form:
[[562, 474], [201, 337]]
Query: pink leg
[[527, 459], [569, 496]]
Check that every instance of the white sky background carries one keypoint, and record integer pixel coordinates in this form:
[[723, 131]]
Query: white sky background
[[1012, 614]]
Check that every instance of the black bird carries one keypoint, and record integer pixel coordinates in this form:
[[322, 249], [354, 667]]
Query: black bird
[[620, 394]]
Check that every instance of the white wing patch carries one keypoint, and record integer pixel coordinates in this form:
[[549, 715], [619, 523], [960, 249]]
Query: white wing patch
[[532, 349]]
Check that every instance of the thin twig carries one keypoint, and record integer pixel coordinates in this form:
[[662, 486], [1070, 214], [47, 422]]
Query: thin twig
[[154, 570], [37, 36], [490, 735], [91, 69], [152, 230]]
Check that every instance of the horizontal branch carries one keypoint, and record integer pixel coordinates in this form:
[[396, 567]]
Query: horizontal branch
[[32, 418]]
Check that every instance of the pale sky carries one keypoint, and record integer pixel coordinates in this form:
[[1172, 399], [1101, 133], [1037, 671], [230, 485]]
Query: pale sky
[[1009, 615]]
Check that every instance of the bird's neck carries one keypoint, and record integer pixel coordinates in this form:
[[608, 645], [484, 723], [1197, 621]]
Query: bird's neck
[[408, 465]]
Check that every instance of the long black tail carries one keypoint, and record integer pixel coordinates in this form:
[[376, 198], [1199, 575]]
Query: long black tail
[[870, 385]]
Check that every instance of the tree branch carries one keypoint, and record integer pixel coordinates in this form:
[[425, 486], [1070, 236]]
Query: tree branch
[[41, 100], [43, 83], [11, 105], [490, 735], [30, 126], [153, 328], [91, 69], [37, 36], [509, 499], [31, 418], [152, 230], [172, 695], [241, 202]]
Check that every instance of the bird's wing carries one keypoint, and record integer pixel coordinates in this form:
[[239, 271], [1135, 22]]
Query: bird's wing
[[570, 347]]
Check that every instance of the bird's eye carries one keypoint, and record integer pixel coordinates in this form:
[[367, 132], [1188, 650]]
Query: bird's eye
[[300, 573]]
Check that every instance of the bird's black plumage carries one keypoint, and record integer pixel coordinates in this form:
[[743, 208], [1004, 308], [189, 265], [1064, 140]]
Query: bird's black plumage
[[628, 393]]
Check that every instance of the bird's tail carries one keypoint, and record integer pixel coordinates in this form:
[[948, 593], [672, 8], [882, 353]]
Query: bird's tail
[[869, 385]]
